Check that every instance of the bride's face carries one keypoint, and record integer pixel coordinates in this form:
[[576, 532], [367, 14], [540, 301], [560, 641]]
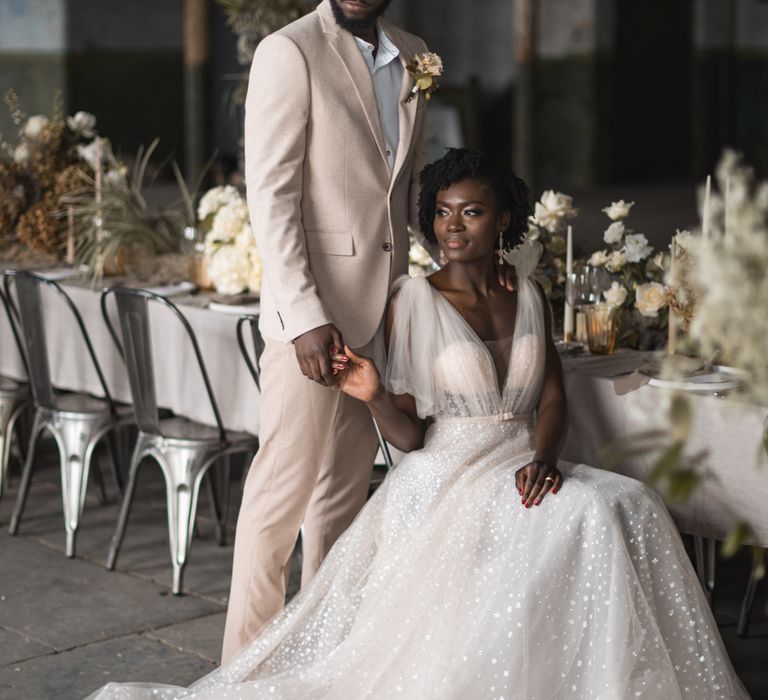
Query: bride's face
[[467, 221]]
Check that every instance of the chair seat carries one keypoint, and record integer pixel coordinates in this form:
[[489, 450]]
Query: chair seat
[[184, 429], [86, 404]]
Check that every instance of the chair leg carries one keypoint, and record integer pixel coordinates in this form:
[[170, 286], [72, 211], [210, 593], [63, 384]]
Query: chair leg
[[748, 603], [182, 491], [26, 475], [99, 477], [14, 424], [125, 508]]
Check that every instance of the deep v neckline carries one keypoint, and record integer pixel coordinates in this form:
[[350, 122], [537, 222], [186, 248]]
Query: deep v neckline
[[500, 388]]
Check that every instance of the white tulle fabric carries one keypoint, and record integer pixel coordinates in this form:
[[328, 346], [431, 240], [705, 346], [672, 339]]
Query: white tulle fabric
[[446, 588]]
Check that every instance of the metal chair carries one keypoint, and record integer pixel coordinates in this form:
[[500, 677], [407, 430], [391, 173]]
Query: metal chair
[[14, 399], [77, 421], [184, 449]]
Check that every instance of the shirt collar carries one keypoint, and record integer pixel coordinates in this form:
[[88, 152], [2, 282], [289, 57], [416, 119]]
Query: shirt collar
[[387, 52]]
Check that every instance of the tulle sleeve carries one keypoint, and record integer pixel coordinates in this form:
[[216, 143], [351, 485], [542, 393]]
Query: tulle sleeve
[[412, 343]]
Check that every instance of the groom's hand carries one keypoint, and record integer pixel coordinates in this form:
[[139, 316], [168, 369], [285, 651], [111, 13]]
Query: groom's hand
[[313, 352]]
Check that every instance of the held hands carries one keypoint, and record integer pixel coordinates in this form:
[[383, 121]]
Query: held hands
[[535, 480], [355, 375], [312, 353]]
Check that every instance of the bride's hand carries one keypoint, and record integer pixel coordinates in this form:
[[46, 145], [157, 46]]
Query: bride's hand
[[535, 480], [359, 377]]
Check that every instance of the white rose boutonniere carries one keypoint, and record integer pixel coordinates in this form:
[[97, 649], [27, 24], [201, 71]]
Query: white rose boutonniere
[[616, 295], [425, 69], [618, 210], [650, 298]]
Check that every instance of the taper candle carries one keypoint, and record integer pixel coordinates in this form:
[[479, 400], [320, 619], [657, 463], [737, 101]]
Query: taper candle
[[568, 320], [672, 325]]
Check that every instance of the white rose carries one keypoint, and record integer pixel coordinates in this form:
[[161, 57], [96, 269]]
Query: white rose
[[616, 261], [229, 270], [21, 154], [636, 247], [618, 210], [83, 124], [229, 220], [215, 198], [614, 233], [35, 124], [616, 295], [553, 209], [649, 298], [598, 259]]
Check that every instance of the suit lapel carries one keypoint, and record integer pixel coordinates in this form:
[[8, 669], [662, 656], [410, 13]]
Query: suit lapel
[[345, 47], [406, 111]]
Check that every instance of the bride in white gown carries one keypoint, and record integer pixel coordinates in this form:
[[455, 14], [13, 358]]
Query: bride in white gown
[[447, 586]]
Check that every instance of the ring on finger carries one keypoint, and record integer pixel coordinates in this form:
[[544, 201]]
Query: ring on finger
[[550, 478]]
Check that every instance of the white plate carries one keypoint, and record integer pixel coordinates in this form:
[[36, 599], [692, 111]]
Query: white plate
[[172, 290], [721, 379], [239, 309]]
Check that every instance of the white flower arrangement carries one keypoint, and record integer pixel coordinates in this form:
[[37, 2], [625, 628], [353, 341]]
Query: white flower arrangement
[[83, 124], [650, 298], [233, 261], [35, 124], [420, 262], [614, 233], [636, 247], [618, 210], [616, 295]]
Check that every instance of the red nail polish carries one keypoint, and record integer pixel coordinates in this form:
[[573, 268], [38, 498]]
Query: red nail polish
[[555, 491], [523, 501], [527, 505], [536, 502]]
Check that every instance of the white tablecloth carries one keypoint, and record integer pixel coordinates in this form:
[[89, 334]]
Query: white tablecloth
[[179, 383], [729, 430]]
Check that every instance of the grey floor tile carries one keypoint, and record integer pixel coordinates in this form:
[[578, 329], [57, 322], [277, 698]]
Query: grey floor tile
[[201, 636], [74, 674], [15, 647], [66, 602]]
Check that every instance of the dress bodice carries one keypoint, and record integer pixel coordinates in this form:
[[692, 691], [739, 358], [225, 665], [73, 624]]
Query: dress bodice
[[436, 356]]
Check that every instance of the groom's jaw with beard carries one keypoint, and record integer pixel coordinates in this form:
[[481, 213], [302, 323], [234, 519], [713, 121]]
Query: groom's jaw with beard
[[359, 22]]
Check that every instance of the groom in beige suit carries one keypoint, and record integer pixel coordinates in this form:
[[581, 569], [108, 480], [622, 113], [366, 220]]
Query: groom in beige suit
[[333, 151]]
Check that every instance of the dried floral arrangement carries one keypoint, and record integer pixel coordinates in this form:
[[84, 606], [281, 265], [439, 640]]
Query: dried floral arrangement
[[43, 164]]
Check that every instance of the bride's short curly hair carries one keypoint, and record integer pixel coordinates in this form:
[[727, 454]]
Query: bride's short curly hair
[[512, 194]]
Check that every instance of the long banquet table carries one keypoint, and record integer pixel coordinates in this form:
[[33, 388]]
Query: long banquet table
[[737, 488], [179, 384]]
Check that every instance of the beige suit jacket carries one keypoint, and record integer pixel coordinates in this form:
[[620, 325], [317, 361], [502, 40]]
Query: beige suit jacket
[[330, 219]]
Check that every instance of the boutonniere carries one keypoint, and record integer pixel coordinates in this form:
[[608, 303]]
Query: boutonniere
[[425, 69]]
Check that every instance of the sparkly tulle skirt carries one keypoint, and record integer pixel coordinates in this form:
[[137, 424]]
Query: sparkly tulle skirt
[[446, 587]]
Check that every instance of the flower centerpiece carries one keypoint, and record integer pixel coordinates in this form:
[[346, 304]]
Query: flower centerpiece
[[233, 262], [637, 291]]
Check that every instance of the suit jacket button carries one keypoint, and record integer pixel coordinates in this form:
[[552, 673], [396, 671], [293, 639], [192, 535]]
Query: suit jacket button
[[387, 246]]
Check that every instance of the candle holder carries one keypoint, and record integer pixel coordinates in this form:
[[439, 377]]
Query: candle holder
[[601, 329]]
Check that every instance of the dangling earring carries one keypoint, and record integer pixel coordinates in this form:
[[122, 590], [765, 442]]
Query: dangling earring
[[501, 247], [443, 259]]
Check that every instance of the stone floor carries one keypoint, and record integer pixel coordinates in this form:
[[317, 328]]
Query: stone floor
[[69, 626]]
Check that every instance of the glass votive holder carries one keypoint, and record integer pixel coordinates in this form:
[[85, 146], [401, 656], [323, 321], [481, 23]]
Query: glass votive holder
[[601, 329]]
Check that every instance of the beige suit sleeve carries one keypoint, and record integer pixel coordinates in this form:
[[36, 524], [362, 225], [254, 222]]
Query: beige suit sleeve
[[276, 117]]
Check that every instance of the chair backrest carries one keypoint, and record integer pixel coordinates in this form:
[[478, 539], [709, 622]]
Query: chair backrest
[[10, 313], [252, 360], [29, 308], [136, 350]]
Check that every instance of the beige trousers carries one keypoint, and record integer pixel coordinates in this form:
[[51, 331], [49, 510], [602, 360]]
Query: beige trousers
[[313, 467]]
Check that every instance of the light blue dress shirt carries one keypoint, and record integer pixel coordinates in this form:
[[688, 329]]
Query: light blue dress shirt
[[387, 73]]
